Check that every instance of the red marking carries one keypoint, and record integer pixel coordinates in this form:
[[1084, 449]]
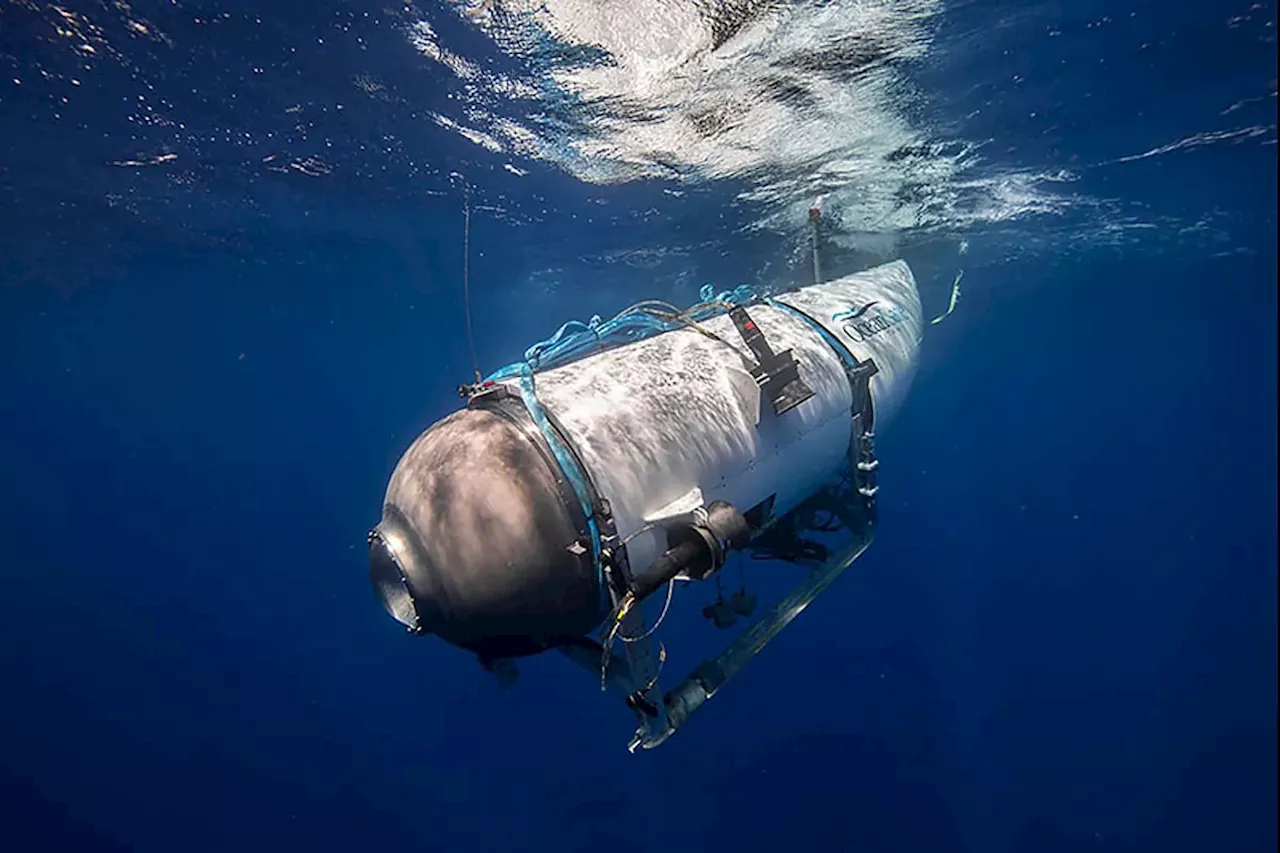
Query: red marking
[[488, 383], [749, 326]]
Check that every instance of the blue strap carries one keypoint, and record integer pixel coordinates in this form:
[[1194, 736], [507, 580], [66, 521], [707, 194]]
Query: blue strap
[[568, 464], [850, 361], [575, 339]]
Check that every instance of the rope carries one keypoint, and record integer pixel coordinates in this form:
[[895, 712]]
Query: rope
[[575, 339], [466, 283]]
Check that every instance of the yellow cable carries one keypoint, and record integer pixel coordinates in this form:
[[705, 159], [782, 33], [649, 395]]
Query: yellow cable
[[955, 297]]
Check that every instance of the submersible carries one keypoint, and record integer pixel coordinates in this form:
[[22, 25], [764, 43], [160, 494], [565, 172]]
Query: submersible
[[621, 458]]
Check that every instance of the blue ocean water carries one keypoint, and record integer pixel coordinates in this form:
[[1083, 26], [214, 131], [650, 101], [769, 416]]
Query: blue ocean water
[[231, 294]]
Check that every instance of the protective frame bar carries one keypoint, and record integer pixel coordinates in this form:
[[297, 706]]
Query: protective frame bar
[[712, 674]]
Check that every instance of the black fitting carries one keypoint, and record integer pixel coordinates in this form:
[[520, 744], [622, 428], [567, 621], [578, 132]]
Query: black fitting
[[687, 555], [728, 525], [697, 550]]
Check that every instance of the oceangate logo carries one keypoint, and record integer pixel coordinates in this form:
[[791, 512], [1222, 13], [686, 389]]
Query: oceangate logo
[[862, 323]]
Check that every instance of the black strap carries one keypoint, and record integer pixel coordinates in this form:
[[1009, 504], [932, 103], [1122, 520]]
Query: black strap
[[862, 449], [777, 374], [752, 335]]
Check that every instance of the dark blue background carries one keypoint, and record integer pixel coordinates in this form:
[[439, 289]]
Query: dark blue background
[[1064, 638]]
